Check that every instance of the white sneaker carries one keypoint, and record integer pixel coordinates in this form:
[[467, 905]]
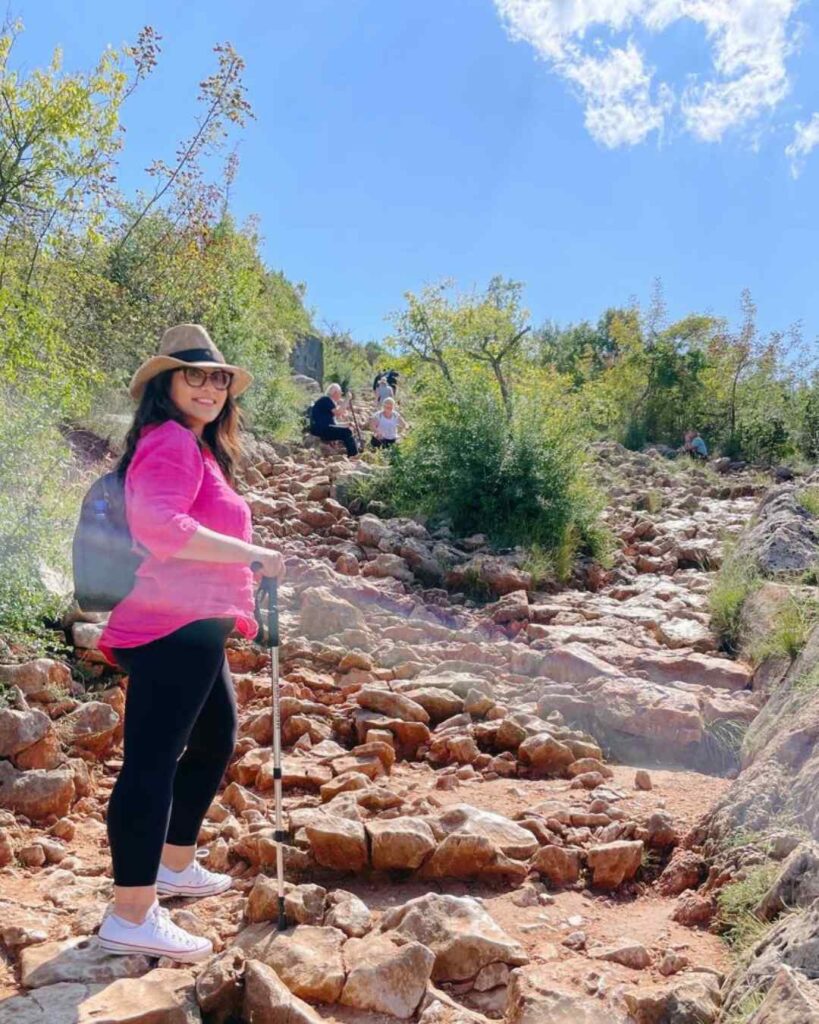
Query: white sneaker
[[156, 936], [193, 881]]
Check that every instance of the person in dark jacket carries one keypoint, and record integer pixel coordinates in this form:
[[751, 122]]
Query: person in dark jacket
[[323, 420]]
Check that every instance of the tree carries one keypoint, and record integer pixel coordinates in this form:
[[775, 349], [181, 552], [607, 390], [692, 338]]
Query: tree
[[490, 329], [426, 327]]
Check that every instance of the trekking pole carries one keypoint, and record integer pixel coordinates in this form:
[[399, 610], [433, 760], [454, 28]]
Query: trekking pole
[[355, 423], [269, 587]]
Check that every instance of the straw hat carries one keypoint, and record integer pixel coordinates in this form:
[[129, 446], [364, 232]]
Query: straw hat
[[187, 345]]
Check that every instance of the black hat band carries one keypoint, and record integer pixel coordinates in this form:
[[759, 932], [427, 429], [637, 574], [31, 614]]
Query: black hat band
[[196, 355]]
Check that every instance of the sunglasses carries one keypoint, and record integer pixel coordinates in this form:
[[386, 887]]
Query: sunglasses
[[197, 378]]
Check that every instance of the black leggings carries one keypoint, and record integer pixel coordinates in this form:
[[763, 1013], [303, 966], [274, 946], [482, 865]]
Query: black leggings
[[343, 434], [180, 732]]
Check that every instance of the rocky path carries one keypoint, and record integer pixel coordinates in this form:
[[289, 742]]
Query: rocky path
[[488, 800]]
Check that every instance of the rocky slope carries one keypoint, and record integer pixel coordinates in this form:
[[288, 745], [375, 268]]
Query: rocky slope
[[767, 823], [487, 800]]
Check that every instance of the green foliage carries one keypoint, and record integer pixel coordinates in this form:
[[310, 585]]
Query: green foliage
[[39, 496], [808, 498], [734, 583], [349, 364], [647, 381], [275, 407], [722, 744], [738, 923], [520, 481], [745, 1010], [792, 623], [90, 278], [807, 685]]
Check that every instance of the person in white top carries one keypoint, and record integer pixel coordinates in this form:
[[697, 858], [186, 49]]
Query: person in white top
[[386, 425], [384, 390]]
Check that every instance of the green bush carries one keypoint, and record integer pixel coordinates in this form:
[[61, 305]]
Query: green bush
[[738, 922], [274, 407], [39, 501], [520, 481], [791, 627], [734, 583], [808, 498]]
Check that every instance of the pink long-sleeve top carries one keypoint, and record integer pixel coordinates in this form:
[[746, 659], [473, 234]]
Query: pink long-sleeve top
[[172, 486]]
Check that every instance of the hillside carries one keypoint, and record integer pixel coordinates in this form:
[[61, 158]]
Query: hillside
[[494, 805]]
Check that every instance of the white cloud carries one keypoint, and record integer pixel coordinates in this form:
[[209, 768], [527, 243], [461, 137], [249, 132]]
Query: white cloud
[[805, 140], [582, 40]]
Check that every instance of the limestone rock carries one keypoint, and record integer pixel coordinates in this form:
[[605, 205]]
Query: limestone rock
[[560, 866], [348, 913], [545, 754], [693, 910], [323, 614], [219, 987], [790, 998], [535, 999], [386, 976], [627, 952], [307, 959], [79, 959], [21, 729], [36, 794], [685, 870], [338, 843], [41, 680], [470, 856], [460, 933], [394, 705], [92, 727], [693, 998], [614, 863], [507, 836], [400, 843], [267, 1000]]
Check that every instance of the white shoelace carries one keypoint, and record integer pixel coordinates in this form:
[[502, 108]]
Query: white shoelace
[[166, 929]]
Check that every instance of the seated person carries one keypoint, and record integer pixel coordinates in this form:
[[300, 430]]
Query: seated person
[[695, 445], [323, 420], [386, 424]]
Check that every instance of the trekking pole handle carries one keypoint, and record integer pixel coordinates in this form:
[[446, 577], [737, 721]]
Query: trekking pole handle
[[269, 586]]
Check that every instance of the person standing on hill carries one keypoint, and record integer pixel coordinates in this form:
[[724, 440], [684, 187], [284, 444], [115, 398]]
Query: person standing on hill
[[384, 390], [192, 589], [323, 420]]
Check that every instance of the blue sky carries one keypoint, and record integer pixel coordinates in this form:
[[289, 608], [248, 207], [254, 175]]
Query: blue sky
[[584, 148]]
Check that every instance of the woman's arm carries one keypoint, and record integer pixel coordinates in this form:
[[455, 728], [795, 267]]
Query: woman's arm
[[206, 545]]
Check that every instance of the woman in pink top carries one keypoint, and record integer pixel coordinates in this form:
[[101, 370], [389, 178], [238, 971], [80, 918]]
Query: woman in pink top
[[192, 589]]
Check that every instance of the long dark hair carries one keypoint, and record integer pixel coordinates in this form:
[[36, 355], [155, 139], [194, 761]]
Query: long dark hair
[[156, 406]]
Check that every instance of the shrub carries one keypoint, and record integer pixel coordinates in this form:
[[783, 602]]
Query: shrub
[[518, 480], [738, 923], [274, 407], [790, 630], [722, 743], [39, 499], [808, 498], [734, 583]]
